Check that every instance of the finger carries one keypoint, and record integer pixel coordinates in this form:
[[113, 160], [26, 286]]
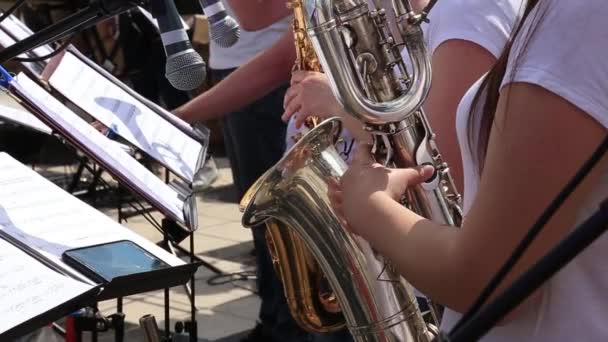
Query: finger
[[417, 175], [292, 107], [301, 118], [289, 95], [334, 183], [286, 116], [335, 197], [299, 76]]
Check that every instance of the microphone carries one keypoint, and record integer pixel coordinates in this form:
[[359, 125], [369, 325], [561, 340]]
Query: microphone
[[185, 68], [223, 29]]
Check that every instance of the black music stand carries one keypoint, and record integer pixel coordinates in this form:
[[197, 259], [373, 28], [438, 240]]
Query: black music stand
[[53, 119], [29, 240]]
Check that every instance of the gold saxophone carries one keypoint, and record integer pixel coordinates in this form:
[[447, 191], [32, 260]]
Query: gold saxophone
[[306, 58], [312, 303]]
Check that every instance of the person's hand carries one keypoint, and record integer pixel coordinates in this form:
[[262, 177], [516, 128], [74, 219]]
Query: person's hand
[[181, 113], [108, 29], [309, 95], [367, 184]]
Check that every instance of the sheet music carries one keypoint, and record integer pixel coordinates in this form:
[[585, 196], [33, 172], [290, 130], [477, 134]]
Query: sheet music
[[131, 119], [107, 151], [29, 288], [23, 118], [45, 217], [20, 31], [6, 40]]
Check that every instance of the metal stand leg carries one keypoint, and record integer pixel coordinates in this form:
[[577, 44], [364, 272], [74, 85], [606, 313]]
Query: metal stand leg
[[168, 337], [94, 332], [77, 175], [118, 322], [193, 328]]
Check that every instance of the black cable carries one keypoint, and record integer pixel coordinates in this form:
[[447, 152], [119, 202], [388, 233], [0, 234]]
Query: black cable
[[233, 278], [534, 231], [12, 9], [62, 47], [524, 286]]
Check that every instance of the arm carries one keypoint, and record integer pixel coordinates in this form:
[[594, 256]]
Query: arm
[[531, 156], [254, 15], [251, 81], [457, 64]]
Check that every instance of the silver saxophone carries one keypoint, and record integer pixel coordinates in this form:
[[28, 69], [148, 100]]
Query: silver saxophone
[[372, 82], [369, 78]]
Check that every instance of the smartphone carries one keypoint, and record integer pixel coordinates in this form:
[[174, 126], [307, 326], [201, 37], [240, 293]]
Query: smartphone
[[104, 262]]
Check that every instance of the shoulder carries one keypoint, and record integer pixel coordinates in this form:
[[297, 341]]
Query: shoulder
[[562, 47], [486, 23]]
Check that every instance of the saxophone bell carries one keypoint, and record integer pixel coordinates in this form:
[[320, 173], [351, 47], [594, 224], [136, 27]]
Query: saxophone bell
[[374, 299]]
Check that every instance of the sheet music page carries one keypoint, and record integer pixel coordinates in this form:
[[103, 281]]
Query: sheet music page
[[131, 119], [20, 31], [107, 151], [45, 217], [23, 118], [6, 40], [29, 288]]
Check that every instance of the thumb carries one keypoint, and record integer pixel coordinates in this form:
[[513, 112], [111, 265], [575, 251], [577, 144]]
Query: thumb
[[417, 175]]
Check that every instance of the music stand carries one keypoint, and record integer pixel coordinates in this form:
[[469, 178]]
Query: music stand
[[13, 30], [178, 206], [33, 245], [184, 139]]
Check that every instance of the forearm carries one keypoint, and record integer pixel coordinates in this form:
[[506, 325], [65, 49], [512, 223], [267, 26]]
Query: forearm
[[264, 73], [254, 15], [421, 250]]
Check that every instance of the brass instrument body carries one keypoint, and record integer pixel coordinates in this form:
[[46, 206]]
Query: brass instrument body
[[306, 58], [312, 304], [373, 297]]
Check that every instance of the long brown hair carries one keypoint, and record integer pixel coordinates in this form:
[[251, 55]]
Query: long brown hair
[[483, 107]]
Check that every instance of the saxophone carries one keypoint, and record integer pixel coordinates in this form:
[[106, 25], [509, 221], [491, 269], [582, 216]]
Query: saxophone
[[306, 58], [369, 78], [311, 302]]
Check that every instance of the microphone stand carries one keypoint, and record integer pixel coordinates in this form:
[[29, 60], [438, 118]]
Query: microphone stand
[[576, 242], [85, 18]]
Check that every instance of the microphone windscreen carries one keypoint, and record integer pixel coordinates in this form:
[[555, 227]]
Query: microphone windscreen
[[225, 33], [186, 71]]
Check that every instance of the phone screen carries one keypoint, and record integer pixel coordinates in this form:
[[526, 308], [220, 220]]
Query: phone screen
[[114, 259]]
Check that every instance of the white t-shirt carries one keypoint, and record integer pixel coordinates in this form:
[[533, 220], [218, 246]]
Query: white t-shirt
[[249, 44], [566, 55], [486, 23]]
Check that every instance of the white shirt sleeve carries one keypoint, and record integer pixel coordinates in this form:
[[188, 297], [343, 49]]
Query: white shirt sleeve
[[487, 23], [565, 50]]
